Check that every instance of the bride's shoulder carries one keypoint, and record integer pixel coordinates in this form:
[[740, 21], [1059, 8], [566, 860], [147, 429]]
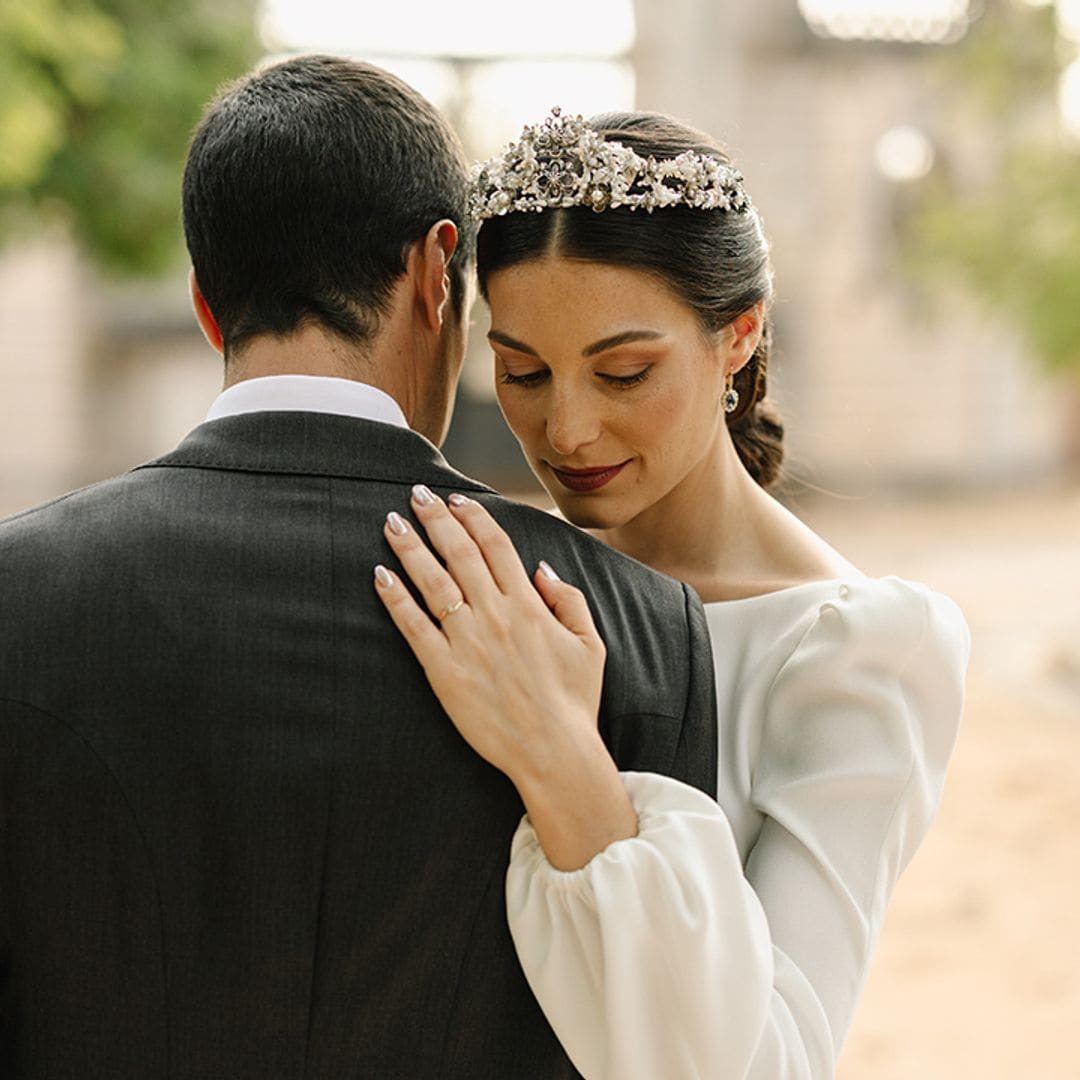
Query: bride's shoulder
[[873, 612], [780, 554], [805, 554], [821, 628], [883, 625]]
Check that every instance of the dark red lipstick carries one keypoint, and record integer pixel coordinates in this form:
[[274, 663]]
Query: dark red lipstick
[[588, 479]]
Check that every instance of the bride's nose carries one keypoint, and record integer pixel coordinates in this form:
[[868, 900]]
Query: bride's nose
[[571, 423]]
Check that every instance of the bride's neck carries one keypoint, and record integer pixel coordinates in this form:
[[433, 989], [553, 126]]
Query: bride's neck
[[699, 530], [724, 535]]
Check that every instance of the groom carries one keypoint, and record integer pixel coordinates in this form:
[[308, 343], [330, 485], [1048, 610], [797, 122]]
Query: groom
[[238, 836]]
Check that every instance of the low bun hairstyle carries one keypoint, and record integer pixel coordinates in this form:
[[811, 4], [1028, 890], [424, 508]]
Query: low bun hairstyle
[[715, 261]]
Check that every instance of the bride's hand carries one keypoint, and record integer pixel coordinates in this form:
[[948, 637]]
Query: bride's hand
[[516, 663], [514, 676]]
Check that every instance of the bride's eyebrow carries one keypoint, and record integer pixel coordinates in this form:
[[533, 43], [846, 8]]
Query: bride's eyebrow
[[505, 339], [625, 338]]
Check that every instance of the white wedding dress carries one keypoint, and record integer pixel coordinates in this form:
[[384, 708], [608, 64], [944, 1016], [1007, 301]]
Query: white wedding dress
[[732, 941]]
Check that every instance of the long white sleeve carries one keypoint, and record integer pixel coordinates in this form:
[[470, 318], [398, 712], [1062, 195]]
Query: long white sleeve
[[732, 941]]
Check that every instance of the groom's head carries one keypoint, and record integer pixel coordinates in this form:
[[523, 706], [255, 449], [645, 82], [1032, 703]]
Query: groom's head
[[307, 185]]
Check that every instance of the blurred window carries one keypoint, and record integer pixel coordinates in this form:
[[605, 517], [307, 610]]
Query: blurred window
[[923, 21]]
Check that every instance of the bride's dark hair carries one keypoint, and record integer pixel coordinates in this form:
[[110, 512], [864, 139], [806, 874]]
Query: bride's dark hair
[[716, 261]]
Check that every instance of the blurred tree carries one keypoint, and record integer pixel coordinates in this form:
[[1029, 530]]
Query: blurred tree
[[97, 102], [1013, 232]]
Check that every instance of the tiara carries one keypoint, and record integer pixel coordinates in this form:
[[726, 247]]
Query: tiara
[[563, 162]]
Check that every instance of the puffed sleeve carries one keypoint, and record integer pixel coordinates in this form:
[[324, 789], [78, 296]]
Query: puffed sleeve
[[666, 956]]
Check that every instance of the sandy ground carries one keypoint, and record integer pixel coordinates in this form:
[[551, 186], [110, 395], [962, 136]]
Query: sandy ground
[[976, 973]]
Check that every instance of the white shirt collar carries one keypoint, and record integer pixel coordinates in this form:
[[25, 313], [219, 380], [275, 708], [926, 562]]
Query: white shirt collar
[[307, 393]]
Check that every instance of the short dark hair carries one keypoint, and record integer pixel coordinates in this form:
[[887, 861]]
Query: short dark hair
[[715, 261], [305, 183]]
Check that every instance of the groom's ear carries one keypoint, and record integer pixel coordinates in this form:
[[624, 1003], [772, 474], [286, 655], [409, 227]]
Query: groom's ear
[[205, 316], [430, 257]]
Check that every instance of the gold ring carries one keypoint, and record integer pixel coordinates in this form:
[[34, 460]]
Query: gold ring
[[448, 611]]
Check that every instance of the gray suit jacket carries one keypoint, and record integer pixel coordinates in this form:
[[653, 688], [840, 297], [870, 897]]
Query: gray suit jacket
[[238, 836]]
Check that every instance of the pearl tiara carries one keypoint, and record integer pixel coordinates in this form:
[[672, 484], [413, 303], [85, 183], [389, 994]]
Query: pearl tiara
[[563, 162]]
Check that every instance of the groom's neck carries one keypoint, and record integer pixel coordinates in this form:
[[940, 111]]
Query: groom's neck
[[395, 362], [309, 350]]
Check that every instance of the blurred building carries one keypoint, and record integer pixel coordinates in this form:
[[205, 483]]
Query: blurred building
[[93, 379], [883, 385]]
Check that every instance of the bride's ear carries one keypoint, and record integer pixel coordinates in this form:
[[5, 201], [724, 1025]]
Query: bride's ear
[[207, 323], [744, 336]]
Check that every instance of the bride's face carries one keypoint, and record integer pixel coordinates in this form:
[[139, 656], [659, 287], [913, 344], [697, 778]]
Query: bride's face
[[609, 383]]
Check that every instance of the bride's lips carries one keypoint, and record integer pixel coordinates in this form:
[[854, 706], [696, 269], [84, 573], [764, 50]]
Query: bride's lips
[[587, 479]]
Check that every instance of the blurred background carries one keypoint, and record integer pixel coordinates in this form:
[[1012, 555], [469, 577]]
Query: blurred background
[[917, 164]]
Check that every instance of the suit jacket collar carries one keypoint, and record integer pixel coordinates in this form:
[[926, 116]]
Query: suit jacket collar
[[315, 444]]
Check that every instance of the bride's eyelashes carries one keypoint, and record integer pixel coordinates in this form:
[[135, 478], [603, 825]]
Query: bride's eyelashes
[[530, 378], [625, 381], [533, 378]]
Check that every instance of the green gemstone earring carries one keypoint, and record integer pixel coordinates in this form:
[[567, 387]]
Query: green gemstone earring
[[731, 395]]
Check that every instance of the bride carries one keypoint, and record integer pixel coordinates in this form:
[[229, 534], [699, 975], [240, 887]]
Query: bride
[[665, 935]]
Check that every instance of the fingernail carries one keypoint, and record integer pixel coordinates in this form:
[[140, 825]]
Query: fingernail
[[423, 495], [383, 577], [397, 523], [546, 570], [458, 500]]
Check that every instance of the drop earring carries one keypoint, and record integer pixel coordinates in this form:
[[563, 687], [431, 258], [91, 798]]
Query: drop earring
[[731, 395]]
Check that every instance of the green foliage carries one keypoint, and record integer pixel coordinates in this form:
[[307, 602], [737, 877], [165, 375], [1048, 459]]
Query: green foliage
[[1008, 59], [1015, 237], [97, 103]]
